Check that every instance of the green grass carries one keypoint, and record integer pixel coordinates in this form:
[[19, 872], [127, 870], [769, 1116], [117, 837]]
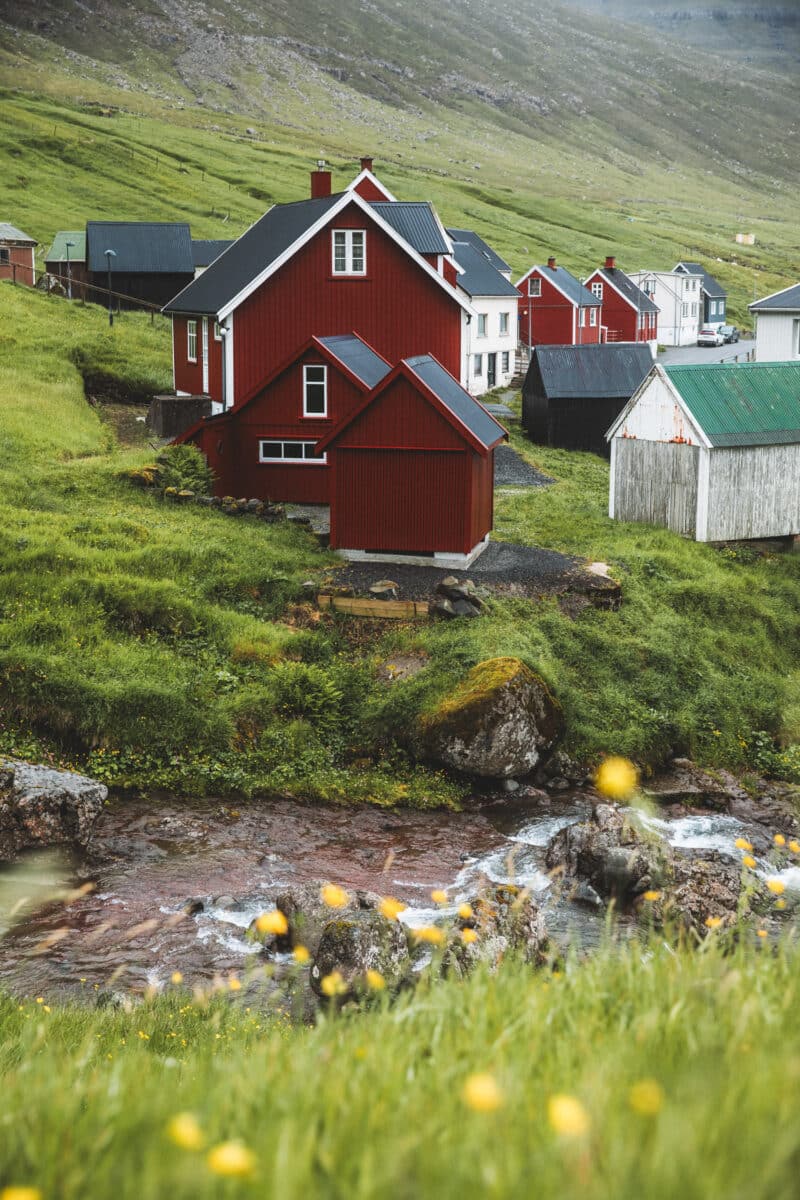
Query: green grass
[[370, 1104]]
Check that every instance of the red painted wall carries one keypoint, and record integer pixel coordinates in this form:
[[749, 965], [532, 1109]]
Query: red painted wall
[[370, 191], [20, 265], [551, 317], [622, 320], [188, 376]]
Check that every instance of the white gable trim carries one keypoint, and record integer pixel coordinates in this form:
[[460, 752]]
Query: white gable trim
[[365, 174], [329, 215], [658, 372]]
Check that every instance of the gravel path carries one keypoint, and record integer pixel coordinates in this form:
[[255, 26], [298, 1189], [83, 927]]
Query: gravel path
[[511, 470]]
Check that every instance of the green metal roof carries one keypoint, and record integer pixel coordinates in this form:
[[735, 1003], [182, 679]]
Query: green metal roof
[[742, 404], [58, 250]]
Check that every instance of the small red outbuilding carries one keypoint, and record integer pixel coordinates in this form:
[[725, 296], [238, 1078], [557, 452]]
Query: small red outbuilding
[[412, 468]]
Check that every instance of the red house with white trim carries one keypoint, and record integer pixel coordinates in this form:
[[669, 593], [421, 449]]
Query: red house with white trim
[[555, 309], [628, 313]]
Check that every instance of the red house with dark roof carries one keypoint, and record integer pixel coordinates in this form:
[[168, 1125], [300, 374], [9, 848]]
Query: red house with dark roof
[[628, 313], [555, 309]]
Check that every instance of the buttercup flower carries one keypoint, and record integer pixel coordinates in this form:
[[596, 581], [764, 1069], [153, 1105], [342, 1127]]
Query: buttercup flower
[[438, 896], [616, 778], [743, 844], [646, 1097], [431, 934], [375, 981], [748, 861], [779, 839], [465, 911], [333, 984], [567, 1116], [20, 1193], [176, 977], [232, 1159], [468, 936], [652, 896], [333, 895], [391, 908], [776, 886], [481, 1093], [713, 922], [272, 922], [184, 1130], [301, 954]]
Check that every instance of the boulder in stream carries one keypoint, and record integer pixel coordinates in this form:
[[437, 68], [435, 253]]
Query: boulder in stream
[[40, 806], [505, 918], [612, 853], [355, 944]]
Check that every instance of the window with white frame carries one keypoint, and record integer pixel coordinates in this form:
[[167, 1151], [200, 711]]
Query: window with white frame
[[597, 290], [684, 310], [503, 323], [534, 286], [481, 324], [583, 317], [290, 453], [795, 339], [191, 341], [505, 361], [592, 316], [349, 252], [694, 309], [477, 364], [217, 332], [315, 391]]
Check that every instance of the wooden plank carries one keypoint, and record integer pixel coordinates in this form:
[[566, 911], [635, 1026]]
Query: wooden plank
[[391, 610]]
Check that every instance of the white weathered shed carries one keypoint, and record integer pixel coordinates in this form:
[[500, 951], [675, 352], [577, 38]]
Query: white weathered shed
[[711, 451], [778, 326]]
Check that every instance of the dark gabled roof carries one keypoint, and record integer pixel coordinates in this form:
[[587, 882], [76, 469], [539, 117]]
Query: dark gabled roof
[[742, 404], [358, 357], [77, 249], [465, 408], [141, 247], [633, 294], [572, 288], [604, 371], [474, 239], [262, 243], [10, 233], [205, 251], [787, 300], [416, 222], [479, 277], [711, 286]]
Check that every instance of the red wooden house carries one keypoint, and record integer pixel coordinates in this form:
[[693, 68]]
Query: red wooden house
[[413, 468], [265, 446], [357, 259], [555, 309], [17, 260], [628, 313]]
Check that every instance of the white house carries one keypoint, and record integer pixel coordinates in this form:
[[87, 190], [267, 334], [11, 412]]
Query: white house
[[491, 335], [778, 326], [680, 304], [711, 451]]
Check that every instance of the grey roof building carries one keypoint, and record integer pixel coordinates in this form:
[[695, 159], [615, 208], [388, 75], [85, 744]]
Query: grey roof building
[[207, 250], [151, 260], [477, 242], [479, 276], [715, 298]]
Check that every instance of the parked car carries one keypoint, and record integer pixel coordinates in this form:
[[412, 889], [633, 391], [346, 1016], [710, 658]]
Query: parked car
[[729, 333], [710, 335]]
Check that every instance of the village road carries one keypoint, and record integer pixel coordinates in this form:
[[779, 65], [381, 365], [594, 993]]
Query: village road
[[681, 356]]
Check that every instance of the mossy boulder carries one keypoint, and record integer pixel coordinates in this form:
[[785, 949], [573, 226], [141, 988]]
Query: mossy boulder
[[496, 724], [357, 943]]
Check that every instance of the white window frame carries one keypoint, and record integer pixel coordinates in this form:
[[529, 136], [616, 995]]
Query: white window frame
[[684, 309], [503, 318], [349, 256], [191, 341], [505, 361], [314, 383], [483, 321], [694, 309], [282, 461], [217, 332], [534, 286], [593, 316], [583, 318], [597, 289], [477, 365]]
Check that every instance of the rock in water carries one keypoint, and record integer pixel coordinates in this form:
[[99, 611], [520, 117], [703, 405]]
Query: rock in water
[[496, 724], [43, 807], [355, 944], [612, 853]]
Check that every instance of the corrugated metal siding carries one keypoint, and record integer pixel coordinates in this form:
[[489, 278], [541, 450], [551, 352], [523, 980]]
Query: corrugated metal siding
[[656, 482], [742, 404], [481, 498], [754, 492]]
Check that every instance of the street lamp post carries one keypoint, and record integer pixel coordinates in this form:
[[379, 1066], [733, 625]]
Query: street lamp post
[[109, 255], [69, 246]]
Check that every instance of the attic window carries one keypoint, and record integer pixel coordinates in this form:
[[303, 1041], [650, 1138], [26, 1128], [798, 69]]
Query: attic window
[[534, 287], [349, 252], [315, 391], [597, 290]]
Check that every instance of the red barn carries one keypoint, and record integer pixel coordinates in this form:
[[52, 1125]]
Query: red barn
[[413, 468], [629, 315], [354, 260], [265, 446], [17, 255], [555, 308]]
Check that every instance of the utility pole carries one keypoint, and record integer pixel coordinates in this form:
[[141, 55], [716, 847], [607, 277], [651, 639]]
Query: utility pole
[[69, 246], [109, 255]]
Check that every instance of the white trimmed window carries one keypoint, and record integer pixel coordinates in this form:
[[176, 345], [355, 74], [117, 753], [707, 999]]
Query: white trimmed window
[[597, 290], [315, 391], [684, 310], [481, 324], [592, 316], [583, 317], [477, 365], [504, 362], [191, 341], [349, 251], [290, 453], [503, 323], [694, 309], [217, 332], [534, 286]]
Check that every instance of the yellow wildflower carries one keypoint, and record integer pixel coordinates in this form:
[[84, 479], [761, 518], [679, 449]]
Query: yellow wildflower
[[616, 778], [481, 1093], [301, 954], [779, 839], [334, 896], [748, 861], [762, 933], [20, 1193], [430, 933], [272, 922], [232, 1159], [713, 922], [468, 936], [176, 977], [391, 908], [794, 846], [776, 886], [646, 1097], [567, 1116], [652, 896], [438, 896], [375, 981], [333, 984], [743, 844], [40, 999], [465, 911], [184, 1130], [780, 904], [234, 984]]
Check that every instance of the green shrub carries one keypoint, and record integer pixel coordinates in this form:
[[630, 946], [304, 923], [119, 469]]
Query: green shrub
[[184, 467]]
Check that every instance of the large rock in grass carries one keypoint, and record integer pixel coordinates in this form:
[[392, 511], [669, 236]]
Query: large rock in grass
[[496, 724], [355, 944], [43, 807]]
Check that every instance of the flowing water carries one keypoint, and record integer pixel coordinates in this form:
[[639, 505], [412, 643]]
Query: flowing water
[[149, 858]]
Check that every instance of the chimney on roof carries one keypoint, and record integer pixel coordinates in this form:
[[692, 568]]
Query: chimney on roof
[[551, 262], [611, 262], [366, 164], [320, 181]]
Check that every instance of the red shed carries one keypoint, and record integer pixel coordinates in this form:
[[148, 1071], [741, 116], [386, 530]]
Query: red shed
[[555, 308], [265, 447], [629, 315], [413, 468], [17, 255]]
